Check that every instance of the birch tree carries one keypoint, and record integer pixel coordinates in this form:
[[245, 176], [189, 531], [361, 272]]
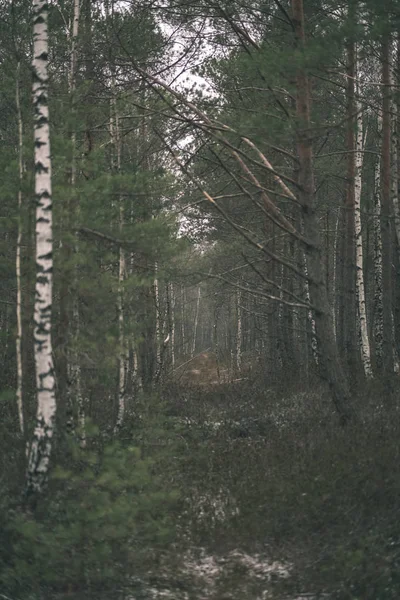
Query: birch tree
[[158, 323], [378, 279], [40, 450], [360, 287], [115, 136], [18, 341], [386, 211], [349, 307]]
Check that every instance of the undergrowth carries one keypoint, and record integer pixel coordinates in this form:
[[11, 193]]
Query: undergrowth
[[213, 472]]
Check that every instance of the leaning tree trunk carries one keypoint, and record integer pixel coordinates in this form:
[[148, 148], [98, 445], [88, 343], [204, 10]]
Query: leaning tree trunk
[[360, 287], [329, 357], [40, 451]]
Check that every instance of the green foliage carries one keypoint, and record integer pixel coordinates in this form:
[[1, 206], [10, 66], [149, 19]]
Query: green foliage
[[94, 529]]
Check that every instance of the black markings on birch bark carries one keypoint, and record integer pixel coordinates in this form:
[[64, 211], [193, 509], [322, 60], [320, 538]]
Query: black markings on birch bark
[[41, 446], [360, 286]]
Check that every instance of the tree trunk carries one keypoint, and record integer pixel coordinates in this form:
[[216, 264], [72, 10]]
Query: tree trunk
[[122, 359], [40, 451], [329, 357], [171, 306], [183, 332], [18, 341], [238, 354], [395, 203], [74, 368], [386, 211], [310, 316], [360, 287], [378, 294], [196, 321], [335, 291], [349, 304], [158, 331]]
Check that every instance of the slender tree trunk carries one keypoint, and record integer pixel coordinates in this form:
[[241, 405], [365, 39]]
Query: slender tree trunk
[[386, 211], [349, 304], [310, 316], [122, 359], [334, 276], [171, 305], [75, 395], [378, 271], [18, 341], [238, 332], [158, 331], [183, 307], [394, 164], [329, 357], [395, 202], [116, 149], [40, 451], [74, 47], [196, 321], [360, 287], [216, 342]]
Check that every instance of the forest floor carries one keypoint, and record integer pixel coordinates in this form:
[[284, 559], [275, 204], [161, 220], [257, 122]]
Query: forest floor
[[281, 501], [271, 500]]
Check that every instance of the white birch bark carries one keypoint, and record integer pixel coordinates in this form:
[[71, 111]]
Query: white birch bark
[[310, 316], [40, 450], [74, 46], [115, 139], [18, 341], [136, 380], [158, 321], [378, 266], [122, 359], [360, 287], [196, 321], [121, 342]]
